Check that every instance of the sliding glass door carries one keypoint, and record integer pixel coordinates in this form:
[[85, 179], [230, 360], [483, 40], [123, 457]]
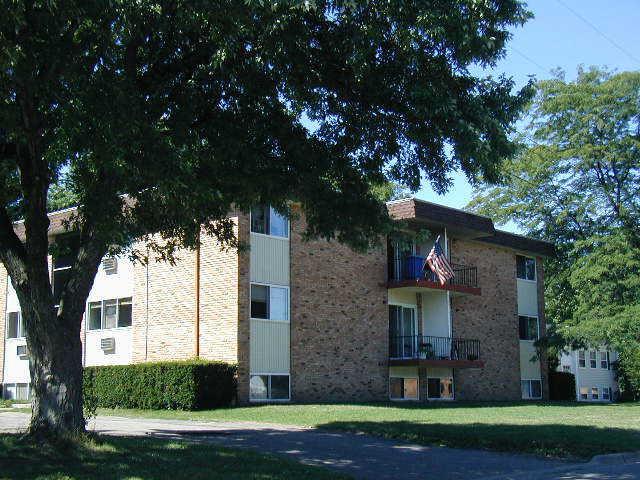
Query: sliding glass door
[[402, 331]]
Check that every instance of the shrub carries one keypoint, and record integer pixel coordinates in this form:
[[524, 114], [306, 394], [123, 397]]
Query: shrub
[[184, 385], [562, 386]]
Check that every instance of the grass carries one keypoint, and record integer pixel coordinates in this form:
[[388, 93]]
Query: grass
[[565, 430], [141, 459]]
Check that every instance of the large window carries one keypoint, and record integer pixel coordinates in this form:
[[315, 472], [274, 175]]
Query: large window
[[604, 360], [528, 327], [525, 267], [267, 221], [113, 313], [15, 325], [17, 391], [531, 389], [440, 388], [269, 302], [593, 359], [402, 332], [269, 387], [403, 388]]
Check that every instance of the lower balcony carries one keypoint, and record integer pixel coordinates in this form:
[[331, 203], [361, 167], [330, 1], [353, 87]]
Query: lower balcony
[[431, 351]]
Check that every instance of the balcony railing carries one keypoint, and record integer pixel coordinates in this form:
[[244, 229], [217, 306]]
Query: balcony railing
[[420, 347], [409, 267]]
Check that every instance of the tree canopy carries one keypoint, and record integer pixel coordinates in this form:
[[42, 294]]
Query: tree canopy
[[160, 116], [576, 182]]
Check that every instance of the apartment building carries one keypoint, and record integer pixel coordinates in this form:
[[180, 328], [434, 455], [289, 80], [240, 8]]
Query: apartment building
[[314, 321], [594, 373]]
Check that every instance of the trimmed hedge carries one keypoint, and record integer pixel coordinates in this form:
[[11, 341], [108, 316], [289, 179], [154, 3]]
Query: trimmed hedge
[[183, 385]]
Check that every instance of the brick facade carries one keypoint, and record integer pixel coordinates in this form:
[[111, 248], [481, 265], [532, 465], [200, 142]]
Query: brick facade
[[491, 318], [339, 322]]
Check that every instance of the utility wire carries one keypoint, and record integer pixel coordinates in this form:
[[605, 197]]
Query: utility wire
[[530, 60], [600, 32]]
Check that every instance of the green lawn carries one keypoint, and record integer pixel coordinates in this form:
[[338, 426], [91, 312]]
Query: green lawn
[[553, 429], [144, 458]]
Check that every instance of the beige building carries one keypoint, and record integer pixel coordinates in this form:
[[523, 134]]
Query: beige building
[[317, 322]]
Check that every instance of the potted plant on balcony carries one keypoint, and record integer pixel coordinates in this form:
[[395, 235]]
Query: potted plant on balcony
[[425, 350]]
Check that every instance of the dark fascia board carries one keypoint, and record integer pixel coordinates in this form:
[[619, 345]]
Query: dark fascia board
[[464, 224], [521, 243]]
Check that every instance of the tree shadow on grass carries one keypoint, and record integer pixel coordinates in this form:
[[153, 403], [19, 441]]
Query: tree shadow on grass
[[552, 440], [142, 458]]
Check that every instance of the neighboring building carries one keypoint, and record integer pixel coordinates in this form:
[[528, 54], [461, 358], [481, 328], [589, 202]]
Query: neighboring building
[[594, 373], [316, 322]]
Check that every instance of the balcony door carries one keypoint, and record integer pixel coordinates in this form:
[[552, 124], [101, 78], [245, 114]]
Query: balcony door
[[403, 331]]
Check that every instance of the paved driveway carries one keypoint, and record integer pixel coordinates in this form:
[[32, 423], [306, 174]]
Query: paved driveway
[[361, 456]]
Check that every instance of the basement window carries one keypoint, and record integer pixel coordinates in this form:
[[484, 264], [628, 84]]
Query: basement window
[[269, 387], [440, 388], [531, 389], [584, 393], [112, 313], [403, 388]]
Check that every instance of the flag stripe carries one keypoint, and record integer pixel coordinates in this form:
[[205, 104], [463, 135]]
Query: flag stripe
[[438, 263]]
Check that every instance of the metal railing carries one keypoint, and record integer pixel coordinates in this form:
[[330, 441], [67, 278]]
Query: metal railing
[[433, 348], [409, 267]]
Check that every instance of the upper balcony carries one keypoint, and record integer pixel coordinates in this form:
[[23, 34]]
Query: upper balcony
[[429, 351], [407, 271]]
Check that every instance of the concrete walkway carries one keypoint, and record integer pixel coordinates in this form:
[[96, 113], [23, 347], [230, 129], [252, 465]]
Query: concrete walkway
[[361, 456]]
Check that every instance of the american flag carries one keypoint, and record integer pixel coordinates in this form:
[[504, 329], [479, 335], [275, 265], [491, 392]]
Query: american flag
[[439, 264]]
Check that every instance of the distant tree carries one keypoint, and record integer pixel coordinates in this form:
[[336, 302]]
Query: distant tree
[[576, 182], [190, 107]]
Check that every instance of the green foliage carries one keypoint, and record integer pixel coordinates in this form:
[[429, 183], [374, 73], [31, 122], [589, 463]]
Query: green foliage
[[576, 182], [186, 385]]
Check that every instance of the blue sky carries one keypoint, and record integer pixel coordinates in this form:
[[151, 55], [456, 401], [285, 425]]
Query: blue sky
[[558, 37]]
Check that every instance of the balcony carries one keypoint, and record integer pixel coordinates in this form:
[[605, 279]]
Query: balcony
[[406, 271], [431, 351]]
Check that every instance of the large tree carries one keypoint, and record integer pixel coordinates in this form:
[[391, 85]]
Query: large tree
[[576, 182], [159, 116]]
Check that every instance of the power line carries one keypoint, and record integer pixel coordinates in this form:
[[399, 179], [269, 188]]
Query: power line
[[600, 32], [530, 60]]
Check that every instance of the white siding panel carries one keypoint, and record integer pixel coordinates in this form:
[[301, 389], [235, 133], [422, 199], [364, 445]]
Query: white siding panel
[[269, 259], [408, 372], [120, 356], [435, 314], [269, 346], [527, 298], [528, 370], [16, 370], [402, 297]]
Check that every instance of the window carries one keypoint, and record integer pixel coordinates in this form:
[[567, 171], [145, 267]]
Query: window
[[267, 221], [604, 360], [594, 393], [112, 313], [21, 352], [269, 303], [401, 388], [269, 387], [528, 327], [110, 265], [531, 389], [525, 268], [593, 360], [584, 393], [606, 393], [402, 332], [17, 391], [15, 325], [440, 388], [566, 368], [581, 359]]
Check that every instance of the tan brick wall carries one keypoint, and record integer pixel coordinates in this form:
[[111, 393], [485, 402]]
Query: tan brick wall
[[3, 316], [244, 296], [491, 318], [164, 311], [339, 322]]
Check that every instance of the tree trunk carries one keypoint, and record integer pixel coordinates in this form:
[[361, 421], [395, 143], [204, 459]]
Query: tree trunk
[[55, 363]]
